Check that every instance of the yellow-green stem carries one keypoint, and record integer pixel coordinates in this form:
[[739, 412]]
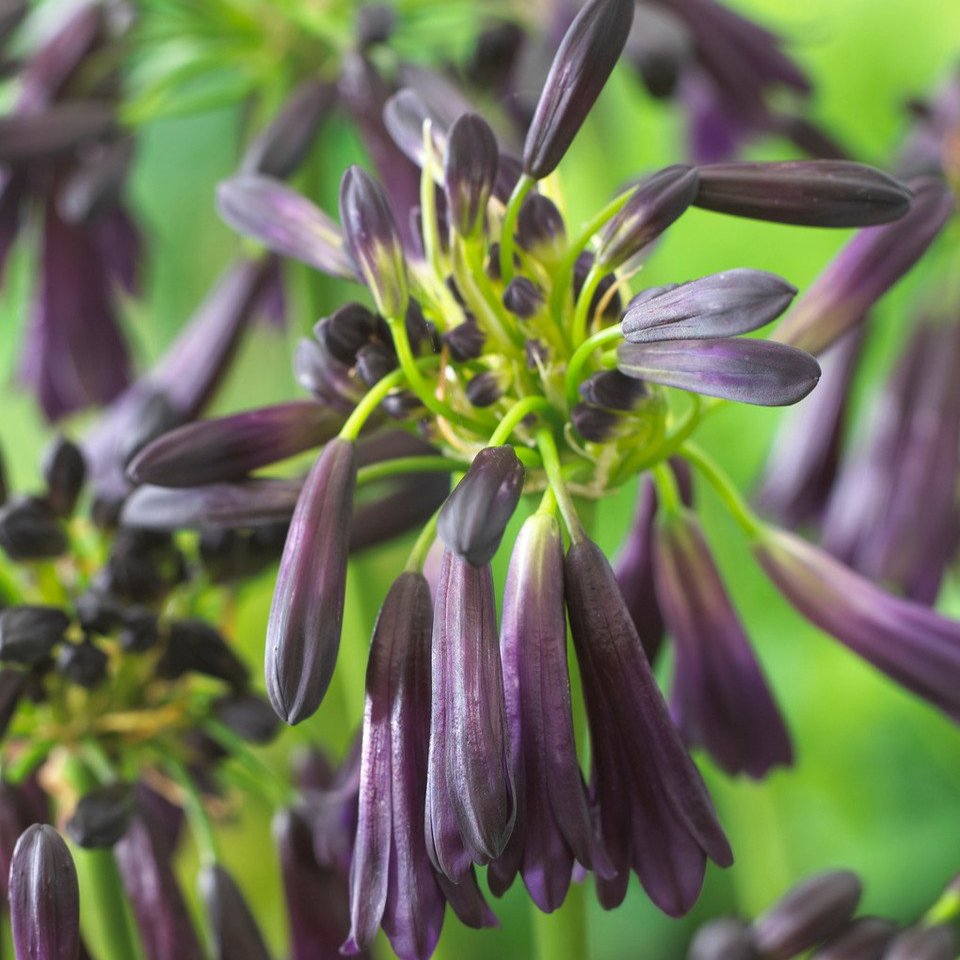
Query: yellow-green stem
[[723, 485], [524, 185], [582, 354]]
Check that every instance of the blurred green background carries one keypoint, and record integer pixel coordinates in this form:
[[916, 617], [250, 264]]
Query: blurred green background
[[876, 786]]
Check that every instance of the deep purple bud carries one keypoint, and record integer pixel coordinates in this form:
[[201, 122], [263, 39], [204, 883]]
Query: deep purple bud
[[29, 634], [586, 58], [285, 222], [475, 516], [44, 897], [484, 389], [469, 172], [330, 380], [303, 632], [597, 424], [101, 816], [720, 305], [193, 646], [659, 47], [29, 138], [471, 799], [809, 913], [84, 664], [748, 371], [813, 193], [522, 297], [866, 268], [404, 115], [866, 938], [654, 204], [280, 149], [465, 341], [30, 530], [654, 811], [64, 471], [937, 942], [374, 242], [540, 228], [140, 631], [612, 304], [720, 698], [247, 715], [346, 330], [612, 389], [553, 827], [915, 646], [374, 362], [236, 935], [229, 448], [13, 684], [726, 938]]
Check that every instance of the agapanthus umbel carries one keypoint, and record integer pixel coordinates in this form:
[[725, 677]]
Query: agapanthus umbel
[[576, 397]]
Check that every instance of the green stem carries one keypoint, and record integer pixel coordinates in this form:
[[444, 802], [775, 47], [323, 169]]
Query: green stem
[[369, 403], [428, 204], [482, 307], [400, 465], [668, 446], [723, 485], [554, 472], [946, 909], [200, 826], [582, 354], [418, 555], [517, 413], [668, 492], [563, 933], [524, 185], [283, 792], [581, 315]]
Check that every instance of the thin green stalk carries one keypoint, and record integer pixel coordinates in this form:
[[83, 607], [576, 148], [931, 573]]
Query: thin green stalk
[[563, 933], [946, 909], [524, 185], [369, 403], [668, 446], [418, 555], [581, 315], [200, 826], [582, 354], [517, 413], [283, 792], [723, 485], [481, 305], [401, 465], [668, 492], [554, 472]]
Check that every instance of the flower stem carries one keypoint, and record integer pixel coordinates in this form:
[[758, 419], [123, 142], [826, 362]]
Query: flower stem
[[524, 186], [400, 465], [200, 825], [582, 354], [518, 412], [418, 555], [553, 470], [581, 315], [946, 908], [563, 933], [723, 485], [369, 403]]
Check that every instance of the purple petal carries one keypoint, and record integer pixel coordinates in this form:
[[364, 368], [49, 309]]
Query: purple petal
[[236, 935]]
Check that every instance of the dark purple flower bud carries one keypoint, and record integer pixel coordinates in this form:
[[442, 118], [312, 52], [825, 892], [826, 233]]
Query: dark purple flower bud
[[937, 942], [866, 938], [522, 297], [82, 663], [654, 811], [726, 938], [285, 222], [157, 417], [280, 149], [812, 193], [144, 859], [654, 204], [471, 799], [374, 362], [586, 58], [536, 353], [29, 634], [13, 684], [465, 341], [64, 471], [404, 115], [235, 933], [303, 632], [553, 827], [229, 448], [97, 183], [346, 330], [540, 228], [809, 913], [484, 389], [330, 380], [392, 881], [720, 305], [196, 647], [494, 55], [98, 612], [374, 242], [915, 646], [247, 715], [102, 816], [659, 46], [720, 698], [476, 514], [866, 268], [509, 172], [27, 137], [143, 566], [597, 424], [140, 631], [469, 172], [612, 389], [613, 306], [30, 530], [748, 371], [44, 897]]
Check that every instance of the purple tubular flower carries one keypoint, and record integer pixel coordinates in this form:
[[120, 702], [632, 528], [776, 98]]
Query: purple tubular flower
[[236, 935], [303, 631], [374, 241], [280, 149], [915, 646], [64, 471], [391, 880], [809, 913], [803, 465], [936, 942], [475, 516], [654, 811], [144, 859], [866, 268], [44, 897], [813, 193], [720, 698], [583, 63], [726, 938], [471, 799], [720, 305], [540, 228], [285, 222], [748, 371], [469, 173], [229, 448], [654, 204], [30, 137], [404, 115], [553, 825], [865, 938]]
